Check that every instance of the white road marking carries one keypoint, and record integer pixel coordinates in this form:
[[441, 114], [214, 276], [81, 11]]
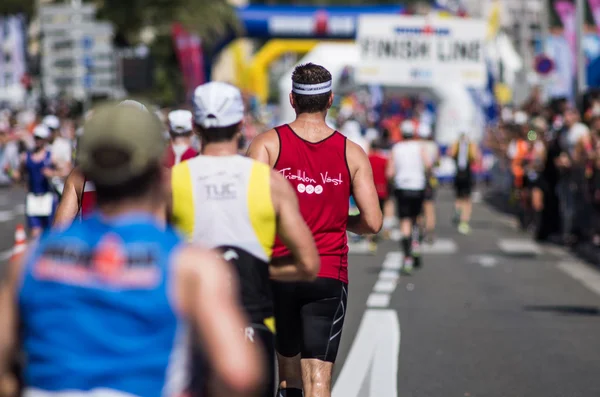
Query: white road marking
[[377, 345], [6, 216], [440, 246], [582, 273], [360, 247], [486, 260], [386, 286], [9, 215], [387, 274], [556, 251], [519, 246], [393, 260], [384, 371], [5, 255], [378, 300]]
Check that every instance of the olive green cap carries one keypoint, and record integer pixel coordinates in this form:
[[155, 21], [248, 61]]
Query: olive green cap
[[120, 143]]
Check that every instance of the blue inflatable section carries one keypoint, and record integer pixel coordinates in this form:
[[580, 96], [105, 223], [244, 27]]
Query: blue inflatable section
[[339, 22], [295, 22]]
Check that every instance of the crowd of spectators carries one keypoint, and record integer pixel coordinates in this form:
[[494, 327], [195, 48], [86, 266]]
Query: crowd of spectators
[[552, 149]]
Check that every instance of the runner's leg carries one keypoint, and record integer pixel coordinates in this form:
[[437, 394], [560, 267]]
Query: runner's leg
[[287, 338], [323, 315]]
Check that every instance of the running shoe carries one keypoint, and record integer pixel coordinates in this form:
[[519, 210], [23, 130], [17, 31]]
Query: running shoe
[[464, 228], [407, 266], [372, 247]]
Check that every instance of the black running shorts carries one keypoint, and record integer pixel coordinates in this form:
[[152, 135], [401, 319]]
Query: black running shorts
[[409, 203], [463, 184], [201, 371], [309, 318]]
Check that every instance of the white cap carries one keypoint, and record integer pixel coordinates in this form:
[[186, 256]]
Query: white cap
[[407, 127], [41, 131], [521, 118], [180, 121], [217, 104], [424, 131], [51, 121], [130, 102]]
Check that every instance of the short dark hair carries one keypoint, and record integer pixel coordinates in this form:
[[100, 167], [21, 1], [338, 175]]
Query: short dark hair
[[137, 187], [218, 134], [310, 73]]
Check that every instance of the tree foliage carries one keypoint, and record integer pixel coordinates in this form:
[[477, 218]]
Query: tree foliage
[[11, 7]]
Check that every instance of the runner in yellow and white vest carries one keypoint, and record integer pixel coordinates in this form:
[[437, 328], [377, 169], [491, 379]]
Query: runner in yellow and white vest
[[238, 205]]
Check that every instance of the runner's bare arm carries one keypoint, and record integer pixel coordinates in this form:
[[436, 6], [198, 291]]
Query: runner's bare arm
[[207, 296], [426, 161], [9, 323], [294, 233], [69, 202], [265, 148], [390, 171], [370, 218]]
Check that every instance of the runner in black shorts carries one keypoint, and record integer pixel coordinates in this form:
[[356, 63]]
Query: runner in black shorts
[[465, 154], [315, 333], [325, 169], [408, 167]]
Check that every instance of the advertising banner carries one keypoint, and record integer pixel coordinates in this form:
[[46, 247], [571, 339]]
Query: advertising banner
[[566, 12], [398, 50], [595, 8], [188, 47]]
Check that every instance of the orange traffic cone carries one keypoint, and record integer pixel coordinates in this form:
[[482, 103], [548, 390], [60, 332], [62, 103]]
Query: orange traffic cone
[[20, 242]]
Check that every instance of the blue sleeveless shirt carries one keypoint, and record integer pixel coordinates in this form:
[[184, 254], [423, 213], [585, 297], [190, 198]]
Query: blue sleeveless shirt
[[38, 183], [96, 310]]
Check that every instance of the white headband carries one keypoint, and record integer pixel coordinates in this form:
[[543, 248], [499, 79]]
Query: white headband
[[311, 89]]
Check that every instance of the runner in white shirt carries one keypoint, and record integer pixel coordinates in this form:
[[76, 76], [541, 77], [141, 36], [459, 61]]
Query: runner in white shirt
[[61, 150], [407, 167]]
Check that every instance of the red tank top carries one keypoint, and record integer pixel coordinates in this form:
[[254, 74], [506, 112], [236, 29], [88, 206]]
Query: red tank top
[[171, 159], [88, 199], [319, 173], [379, 165]]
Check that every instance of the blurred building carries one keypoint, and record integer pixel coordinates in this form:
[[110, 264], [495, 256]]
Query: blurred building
[[525, 22], [13, 60]]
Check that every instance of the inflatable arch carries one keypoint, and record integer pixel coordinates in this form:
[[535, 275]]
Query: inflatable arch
[[297, 22]]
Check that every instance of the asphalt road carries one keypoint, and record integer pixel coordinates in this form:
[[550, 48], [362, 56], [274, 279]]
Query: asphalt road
[[489, 315]]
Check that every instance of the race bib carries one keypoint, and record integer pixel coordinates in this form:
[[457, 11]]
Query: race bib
[[39, 205]]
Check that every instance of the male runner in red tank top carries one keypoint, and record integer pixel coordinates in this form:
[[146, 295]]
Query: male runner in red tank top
[[325, 169]]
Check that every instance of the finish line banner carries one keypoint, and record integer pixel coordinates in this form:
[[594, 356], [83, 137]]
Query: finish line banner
[[398, 50]]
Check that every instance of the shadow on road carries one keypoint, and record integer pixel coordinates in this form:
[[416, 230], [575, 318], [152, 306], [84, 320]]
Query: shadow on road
[[565, 310]]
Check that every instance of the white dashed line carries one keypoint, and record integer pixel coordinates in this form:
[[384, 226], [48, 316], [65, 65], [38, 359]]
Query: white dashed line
[[389, 275], [378, 300], [519, 246], [386, 286], [583, 273]]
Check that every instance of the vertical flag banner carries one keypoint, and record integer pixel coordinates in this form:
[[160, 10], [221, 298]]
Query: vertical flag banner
[[2, 57], [566, 12], [595, 8], [189, 53], [17, 37]]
